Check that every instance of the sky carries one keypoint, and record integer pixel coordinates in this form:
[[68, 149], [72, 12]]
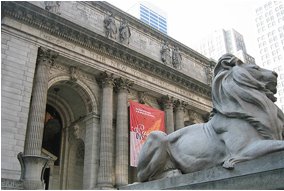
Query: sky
[[191, 20]]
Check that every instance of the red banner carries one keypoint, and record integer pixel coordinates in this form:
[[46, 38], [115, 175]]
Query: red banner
[[143, 120]]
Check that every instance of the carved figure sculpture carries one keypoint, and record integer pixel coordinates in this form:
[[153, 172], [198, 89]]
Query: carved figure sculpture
[[53, 6], [246, 124], [73, 73], [110, 26], [166, 53], [124, 32], [177, 58]]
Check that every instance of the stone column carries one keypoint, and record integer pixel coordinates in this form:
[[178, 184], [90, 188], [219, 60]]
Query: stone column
[[106, 167], [179, 107], [167, 104], [91, 159], [31, 162], [122, 142]]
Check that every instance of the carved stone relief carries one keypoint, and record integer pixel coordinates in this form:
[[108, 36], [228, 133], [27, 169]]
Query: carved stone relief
[[166, 54], [176, 56], [73, 73], [110, 26], [53, 6], [124, 32]]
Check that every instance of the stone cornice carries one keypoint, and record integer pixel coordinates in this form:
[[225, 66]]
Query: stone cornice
[[60, 27]]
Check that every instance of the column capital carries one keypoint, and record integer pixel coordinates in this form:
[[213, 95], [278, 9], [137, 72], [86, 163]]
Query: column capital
[[46, 56], [142, 97], [106, 79], [179, 105], [166, 102], [123, 84]]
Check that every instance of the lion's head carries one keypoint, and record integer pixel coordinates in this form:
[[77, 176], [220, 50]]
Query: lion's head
[[247, 91]]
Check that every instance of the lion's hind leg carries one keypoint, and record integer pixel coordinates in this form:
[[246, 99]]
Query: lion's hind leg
[[254, 150], [153, 156]]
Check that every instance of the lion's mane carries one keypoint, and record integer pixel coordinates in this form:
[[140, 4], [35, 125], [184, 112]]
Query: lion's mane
[[237, 94]]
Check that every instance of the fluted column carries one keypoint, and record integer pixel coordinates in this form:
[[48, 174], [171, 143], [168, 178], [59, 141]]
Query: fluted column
[[91, 159], [106, 167], [38, 103], [121, 159], [32, 163], [167, 104], [179, 107]]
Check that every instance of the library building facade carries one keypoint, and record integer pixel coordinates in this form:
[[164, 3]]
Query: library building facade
[[69, 73]]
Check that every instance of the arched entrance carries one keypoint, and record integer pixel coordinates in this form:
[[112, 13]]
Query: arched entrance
[[68, 103]]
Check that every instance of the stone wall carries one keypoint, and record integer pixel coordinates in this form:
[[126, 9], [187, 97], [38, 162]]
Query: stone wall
[[18, 66]]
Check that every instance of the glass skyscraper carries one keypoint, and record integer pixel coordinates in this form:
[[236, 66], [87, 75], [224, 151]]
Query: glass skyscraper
[[269, 20], [151, 15], [223, 41]]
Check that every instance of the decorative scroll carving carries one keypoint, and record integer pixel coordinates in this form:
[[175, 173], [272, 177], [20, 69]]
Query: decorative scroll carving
[[142, 97], [46, 56], [166, 102], [105, 79], [124, 32], [110, 26], [53, 6], [180, 105], [123, 84]]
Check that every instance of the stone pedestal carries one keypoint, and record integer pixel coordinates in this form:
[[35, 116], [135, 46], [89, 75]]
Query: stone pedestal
[[264, 173], [32, 169]]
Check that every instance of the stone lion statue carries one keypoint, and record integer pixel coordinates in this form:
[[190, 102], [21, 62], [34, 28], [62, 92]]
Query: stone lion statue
[[246, 124]]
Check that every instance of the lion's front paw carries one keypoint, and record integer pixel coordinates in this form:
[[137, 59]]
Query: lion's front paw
[[229, 164]]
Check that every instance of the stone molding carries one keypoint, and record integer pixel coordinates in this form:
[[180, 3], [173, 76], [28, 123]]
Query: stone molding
[[53, 24]]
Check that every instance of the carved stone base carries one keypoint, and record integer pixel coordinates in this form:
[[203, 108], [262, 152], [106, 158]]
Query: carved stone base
[[10, 184], [32, 169], [168, 174], [33, 185], [105, 187], [264, 173]]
